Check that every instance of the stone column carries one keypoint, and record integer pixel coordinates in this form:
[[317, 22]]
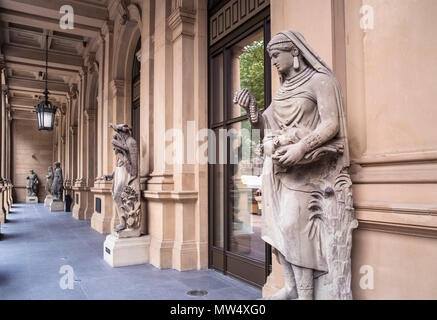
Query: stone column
[[182, 22], [73, 152], [8, 155], [146, 58], [68, 182], [3, 209], [83, 200], [3, 154], [103, 212], [161, 213]]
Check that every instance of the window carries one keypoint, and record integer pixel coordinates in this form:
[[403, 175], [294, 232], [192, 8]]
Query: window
[[238, 60]]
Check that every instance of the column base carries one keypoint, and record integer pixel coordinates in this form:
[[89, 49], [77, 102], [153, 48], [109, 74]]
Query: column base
[[103, 206], [185, 256], [2, 216], [83, 208], [126, 251], [31, 199], [57, 206]]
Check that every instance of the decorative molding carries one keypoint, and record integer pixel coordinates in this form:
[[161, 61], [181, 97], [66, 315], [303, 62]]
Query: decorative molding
[[396, 228], [401, 208], [233, 15], [178, 196], [398, 218], [415, 172], [396, 158]]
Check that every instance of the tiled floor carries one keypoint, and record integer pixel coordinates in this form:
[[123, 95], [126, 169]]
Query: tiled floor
[[37, 243]]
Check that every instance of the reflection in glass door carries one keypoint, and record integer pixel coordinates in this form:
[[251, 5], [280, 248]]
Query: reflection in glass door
[[236, 247]]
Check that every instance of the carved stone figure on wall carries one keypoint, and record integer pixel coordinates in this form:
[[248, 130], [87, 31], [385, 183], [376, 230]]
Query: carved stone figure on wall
[[308, 214], [58, 182], [126, 184], [32, 184], [49, 181]]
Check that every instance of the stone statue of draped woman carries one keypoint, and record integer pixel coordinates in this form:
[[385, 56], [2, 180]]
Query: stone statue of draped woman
[[308, 215]]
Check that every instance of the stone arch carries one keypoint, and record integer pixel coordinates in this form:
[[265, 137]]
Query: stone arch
[[122, 68]]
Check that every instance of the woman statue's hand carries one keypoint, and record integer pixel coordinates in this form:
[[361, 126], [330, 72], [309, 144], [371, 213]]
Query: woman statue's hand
[[245, 99], [289, 155]]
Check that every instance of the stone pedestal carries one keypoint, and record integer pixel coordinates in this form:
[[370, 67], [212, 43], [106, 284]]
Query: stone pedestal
[[57, 206], [48, 200], [126, 251], [31, 199]]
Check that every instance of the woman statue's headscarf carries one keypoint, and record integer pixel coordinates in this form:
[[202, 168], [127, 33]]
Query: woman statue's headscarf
[[313, 60]]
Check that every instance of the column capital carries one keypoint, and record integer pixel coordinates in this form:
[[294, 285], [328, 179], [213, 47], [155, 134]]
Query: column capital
[[63, 109], [90, 60], [73, 92], [117, 87], [181, 22], [73, 130], [83, 71], [90, 114], [108, 28]]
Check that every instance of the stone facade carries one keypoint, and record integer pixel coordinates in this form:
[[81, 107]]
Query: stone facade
[[384, 69]]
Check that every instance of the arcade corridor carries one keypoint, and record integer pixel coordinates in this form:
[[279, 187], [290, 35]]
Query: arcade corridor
[[37, 243]]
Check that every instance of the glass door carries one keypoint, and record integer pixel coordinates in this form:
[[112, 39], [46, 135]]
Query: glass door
[[236, 247]]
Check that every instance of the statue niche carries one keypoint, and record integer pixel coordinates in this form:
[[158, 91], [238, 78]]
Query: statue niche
[[308, 214]]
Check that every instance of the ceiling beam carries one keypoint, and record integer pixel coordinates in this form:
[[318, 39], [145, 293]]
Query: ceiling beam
[[18, 114], [85, 14], [27, 102], [40, 68], [37, 85], [45, 22], [53, 95], [37, 56]]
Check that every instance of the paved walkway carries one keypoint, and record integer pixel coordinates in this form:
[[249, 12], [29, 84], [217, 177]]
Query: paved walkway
[[37, 243]]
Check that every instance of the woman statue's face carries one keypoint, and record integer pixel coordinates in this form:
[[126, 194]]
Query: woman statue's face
[[282, 60]]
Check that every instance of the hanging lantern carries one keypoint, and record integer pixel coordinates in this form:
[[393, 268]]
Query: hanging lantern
[[46, 115], [46, 111]]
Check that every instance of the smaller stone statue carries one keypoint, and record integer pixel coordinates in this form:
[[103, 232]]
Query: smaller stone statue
[[126, 187], [32, 184], [58, 182], [49, 181]]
